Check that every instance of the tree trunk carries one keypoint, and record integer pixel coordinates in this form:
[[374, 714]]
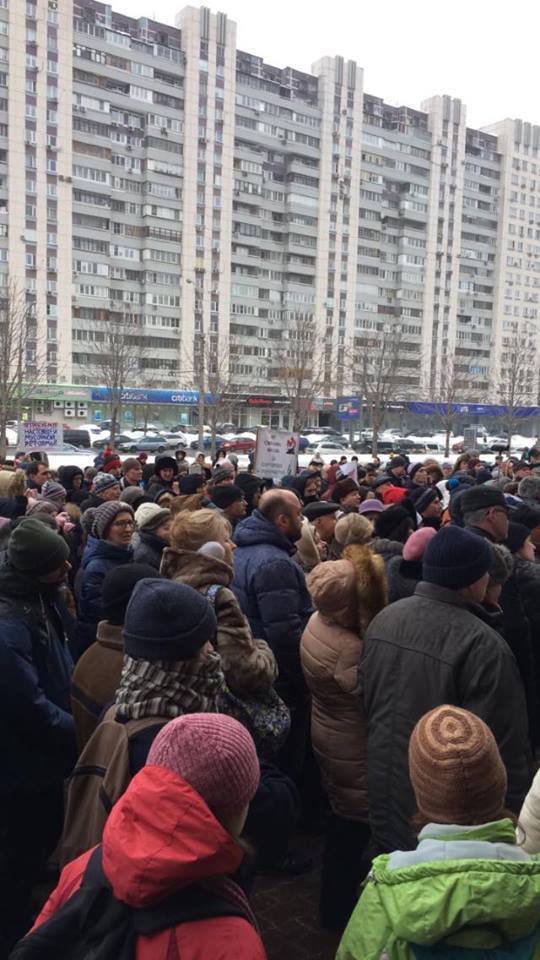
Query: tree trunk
[[3, 428], [116, 408], [376, 423], [447, 440], [146, 415]]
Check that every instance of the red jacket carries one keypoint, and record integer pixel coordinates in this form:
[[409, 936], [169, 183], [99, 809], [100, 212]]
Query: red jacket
[[160, 837]]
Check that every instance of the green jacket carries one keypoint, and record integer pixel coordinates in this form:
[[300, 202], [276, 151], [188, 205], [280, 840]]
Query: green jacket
[[470, 887]]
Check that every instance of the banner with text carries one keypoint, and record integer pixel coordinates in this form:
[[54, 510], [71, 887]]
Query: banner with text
[[276, 453], [40, 435]]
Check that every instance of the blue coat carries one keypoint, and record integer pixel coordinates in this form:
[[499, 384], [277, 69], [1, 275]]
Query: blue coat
[[271, 589], [37, 734], [98, 558]]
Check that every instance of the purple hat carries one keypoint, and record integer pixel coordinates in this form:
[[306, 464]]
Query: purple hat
[[371, 506]]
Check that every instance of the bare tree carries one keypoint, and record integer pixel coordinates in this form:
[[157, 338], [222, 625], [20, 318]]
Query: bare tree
[[374, 361], [446, 394], [116, 363], [22, 366], [518, 379], [209, 374], [298, 363]]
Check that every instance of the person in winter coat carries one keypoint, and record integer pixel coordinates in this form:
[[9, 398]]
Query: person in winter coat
[[175, 832], [154, 533], [72, 479], [253, 487], [97, 674], [405, 572], [201, 555], [170, 668], [105, 487], [436, 647], [272, 593], [347, 594], [38, 737], [467, 888], [109, 546], [392, 528], [165, 473]]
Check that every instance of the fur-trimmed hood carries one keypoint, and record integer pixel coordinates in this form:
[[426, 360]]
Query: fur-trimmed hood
[[12, 482], [350, 591]]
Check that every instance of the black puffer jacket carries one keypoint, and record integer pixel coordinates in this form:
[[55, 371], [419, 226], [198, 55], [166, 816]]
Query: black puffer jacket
[[149, 549], [419, 653]]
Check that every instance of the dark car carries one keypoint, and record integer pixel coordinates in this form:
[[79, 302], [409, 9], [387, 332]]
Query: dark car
[[207, 442], [105, 441]]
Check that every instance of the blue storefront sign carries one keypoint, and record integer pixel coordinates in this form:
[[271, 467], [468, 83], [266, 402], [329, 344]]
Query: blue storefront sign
[[140, 395], [472, 409], [348, 408]]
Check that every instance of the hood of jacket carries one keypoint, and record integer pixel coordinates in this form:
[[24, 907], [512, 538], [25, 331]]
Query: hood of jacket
[[160, 837], [386, 548], [67, 474], [103, 550], [437, 895], [194, 569], [350, 591], [256, 529]]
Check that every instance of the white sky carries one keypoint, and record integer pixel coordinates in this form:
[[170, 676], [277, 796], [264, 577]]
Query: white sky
[[483, 51]]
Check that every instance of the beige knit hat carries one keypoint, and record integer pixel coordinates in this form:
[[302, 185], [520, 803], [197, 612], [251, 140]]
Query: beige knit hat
[[455, 768], [353, 528], [150, 516]]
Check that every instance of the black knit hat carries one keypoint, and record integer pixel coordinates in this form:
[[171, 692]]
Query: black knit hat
[[455, 558], [35, 549], [118, 586], [424, 498], [389, 520], [517, 535], [191, 484], [397, 462], [481, 498], [166, 620], [222, 497]]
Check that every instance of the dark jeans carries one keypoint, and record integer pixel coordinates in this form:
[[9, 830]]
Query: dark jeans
[[30, 827], [345, 864]]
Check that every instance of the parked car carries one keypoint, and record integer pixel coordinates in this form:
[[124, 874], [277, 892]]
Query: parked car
[[207, 442], [239, 445], [226, 428], [105, 441], [175, 440], [148, 444]]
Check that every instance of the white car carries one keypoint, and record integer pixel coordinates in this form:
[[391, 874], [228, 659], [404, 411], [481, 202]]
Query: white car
[[329, 449]]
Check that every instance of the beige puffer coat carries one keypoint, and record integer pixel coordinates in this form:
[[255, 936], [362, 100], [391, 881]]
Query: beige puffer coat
[[248, 664], [347, 594]]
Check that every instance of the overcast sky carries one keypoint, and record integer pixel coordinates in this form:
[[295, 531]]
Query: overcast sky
[[483, 51]]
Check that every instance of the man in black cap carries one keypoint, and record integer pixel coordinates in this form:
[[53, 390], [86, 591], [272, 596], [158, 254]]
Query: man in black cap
[[485, 512], [427, 503], [37, 738], [230, 501], [396, 470], [323, 516]]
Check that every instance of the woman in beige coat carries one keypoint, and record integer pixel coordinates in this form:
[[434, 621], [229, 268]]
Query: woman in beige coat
[[347, 594], [201, 556]]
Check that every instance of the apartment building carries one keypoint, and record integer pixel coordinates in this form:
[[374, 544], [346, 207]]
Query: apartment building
[[156, 177]]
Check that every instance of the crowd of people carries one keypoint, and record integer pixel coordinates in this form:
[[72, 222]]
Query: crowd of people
[[195, 660]]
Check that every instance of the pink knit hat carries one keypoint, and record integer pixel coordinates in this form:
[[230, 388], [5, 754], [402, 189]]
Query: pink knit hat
[[214, 754], [415, 546]]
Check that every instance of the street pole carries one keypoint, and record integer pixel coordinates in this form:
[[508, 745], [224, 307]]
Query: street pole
[[202, 389]]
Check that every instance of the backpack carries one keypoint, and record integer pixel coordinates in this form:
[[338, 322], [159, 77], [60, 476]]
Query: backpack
[[101, 776], [94, 925], [265, 715]]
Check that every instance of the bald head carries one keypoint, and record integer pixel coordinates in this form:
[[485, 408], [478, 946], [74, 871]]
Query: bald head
[[284, 510]]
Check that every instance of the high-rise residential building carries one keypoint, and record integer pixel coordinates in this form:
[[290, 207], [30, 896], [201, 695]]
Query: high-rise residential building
[[158, 177]]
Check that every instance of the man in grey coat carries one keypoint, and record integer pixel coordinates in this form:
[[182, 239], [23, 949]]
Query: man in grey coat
[[433, 648]]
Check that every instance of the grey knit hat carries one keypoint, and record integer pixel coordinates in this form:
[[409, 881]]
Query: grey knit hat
[[55, 492], [104, 516], [103, 481]]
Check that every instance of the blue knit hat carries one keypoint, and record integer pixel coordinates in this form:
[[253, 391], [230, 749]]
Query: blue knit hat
[[166, 620], [455, 558]]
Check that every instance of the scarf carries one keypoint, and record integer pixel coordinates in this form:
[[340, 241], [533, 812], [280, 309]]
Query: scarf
[[169, 689]]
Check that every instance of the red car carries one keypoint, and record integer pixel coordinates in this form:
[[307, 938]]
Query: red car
[[239, 445]]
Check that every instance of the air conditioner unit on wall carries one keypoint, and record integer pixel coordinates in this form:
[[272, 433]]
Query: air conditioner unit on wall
[[58, 404], [69, 413], [82, 413]]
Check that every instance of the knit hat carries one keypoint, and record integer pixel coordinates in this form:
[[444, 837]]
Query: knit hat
[[455, 558], [53, 491], [150, 516], [517, 535], [87, 520], [112, 462], [413, 469], [530, 516], [397, 462], [191, 484], [166, 620], [414, 548], [371, 506], [394, 495], [35, 549], [481, 498], [455, 768], [425, 498], [118, 585], [226, 465], [529, 487], [105, 514], [222, 497], [342, 488], [249, 483], [212, 752], [134, 496], [219, 476], [352, 528], [103, 481]]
